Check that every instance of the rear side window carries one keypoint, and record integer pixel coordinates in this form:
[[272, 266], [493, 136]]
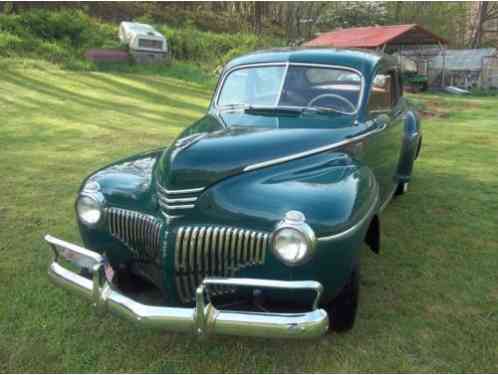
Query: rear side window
[[381, 94], [320, 76], [385, 92]]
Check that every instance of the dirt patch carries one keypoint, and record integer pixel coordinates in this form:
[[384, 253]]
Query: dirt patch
[[434, 113], [441, 211], [433, 108], [440, 108]]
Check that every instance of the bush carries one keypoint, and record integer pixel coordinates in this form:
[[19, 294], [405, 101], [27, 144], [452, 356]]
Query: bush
[[59, 37], [72, 27], [212, 48], [476, 91], [63, 36], [9, 42]]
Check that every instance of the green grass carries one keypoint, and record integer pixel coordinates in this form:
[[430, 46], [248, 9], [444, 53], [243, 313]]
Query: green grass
[[429, 301]]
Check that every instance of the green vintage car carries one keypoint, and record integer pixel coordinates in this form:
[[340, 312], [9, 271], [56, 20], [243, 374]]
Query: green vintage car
[[253, 220]]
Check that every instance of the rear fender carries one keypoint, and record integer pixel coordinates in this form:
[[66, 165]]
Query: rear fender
[[410, 146]]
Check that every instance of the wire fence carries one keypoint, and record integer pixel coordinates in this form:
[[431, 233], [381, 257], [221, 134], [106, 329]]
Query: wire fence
[[489, 73]]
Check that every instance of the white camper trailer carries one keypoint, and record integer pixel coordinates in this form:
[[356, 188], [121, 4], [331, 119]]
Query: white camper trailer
[[146, 44]]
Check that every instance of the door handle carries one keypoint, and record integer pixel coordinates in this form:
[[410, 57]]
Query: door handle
[[378, 126], [381, 127]]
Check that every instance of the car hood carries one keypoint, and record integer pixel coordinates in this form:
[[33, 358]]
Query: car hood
[[218, 146]]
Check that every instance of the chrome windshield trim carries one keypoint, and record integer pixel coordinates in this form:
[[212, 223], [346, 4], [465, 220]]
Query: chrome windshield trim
[[279, 95], [287, 65], [355, 227], [313, 151]]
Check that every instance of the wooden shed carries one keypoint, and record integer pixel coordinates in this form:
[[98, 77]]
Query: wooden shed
[[413, 41], [389, 38]]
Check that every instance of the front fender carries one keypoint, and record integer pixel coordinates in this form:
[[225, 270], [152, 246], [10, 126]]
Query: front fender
[[332, 190], [127, 182], [336, 193]]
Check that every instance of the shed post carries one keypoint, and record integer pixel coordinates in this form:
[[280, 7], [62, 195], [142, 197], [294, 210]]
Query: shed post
[[443, 69], [482, 77]]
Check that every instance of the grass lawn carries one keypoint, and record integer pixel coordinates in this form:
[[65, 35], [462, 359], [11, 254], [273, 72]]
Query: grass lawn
[[429, 301]]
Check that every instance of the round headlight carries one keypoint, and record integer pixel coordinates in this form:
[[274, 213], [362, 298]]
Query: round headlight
[[89, 210], [293, 240], [290, 245]]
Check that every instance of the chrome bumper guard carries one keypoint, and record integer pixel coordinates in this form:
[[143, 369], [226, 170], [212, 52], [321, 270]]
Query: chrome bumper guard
[[203, 319]]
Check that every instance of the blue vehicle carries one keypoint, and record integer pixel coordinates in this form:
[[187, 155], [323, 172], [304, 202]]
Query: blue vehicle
[[252, 221]]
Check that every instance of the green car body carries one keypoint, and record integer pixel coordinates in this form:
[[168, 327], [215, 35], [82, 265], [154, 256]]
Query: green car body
[[208, 205]]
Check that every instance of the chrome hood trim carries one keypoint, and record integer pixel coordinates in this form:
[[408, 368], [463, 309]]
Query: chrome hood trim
[[313, 151]]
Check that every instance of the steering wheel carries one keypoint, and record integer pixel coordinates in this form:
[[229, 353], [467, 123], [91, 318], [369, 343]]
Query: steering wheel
[[292, 98], [334, 96]]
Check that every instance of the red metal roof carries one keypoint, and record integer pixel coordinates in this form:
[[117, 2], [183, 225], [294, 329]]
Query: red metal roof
[[376, 36]]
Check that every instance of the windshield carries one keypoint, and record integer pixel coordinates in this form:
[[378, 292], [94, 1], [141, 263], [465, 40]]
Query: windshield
[[332, 89]]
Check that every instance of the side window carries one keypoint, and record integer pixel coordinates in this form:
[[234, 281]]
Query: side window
[[381, 94], [235, 90], [385, 92]]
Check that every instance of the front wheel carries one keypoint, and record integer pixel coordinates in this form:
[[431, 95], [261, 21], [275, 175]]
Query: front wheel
[[342, 310]]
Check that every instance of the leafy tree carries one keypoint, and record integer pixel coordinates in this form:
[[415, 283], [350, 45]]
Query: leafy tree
[[485, 22], [353, 14], [446, 19]]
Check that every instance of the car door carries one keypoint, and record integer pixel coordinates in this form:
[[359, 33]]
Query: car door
[[385, 120]]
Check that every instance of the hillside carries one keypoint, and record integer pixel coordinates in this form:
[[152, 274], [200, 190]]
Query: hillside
[[62, 38]]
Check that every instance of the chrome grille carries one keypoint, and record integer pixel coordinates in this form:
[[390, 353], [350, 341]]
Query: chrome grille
[[139, 232], [176, 202], [149, 43], [202, 251]]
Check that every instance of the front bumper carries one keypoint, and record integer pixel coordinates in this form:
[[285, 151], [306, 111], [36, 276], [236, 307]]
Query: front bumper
[[203, 319]]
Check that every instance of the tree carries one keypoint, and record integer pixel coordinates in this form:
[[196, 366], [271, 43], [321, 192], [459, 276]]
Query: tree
[[353, 14], [485, 22], [446, 19], [296, 21], [258, 14]]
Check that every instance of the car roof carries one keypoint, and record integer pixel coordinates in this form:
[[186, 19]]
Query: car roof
[[363, 60]]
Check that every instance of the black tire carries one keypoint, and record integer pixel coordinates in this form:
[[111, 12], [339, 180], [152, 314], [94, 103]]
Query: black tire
[[402, 188], [342, 310]]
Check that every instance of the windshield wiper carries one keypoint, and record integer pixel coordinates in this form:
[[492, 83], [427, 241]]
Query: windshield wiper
[[234, 106], [272, 109], [260, 108], [248, 108]]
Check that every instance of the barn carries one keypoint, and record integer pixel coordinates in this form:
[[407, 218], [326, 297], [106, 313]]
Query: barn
[[412, 40], [390, 39], [466, 68]]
